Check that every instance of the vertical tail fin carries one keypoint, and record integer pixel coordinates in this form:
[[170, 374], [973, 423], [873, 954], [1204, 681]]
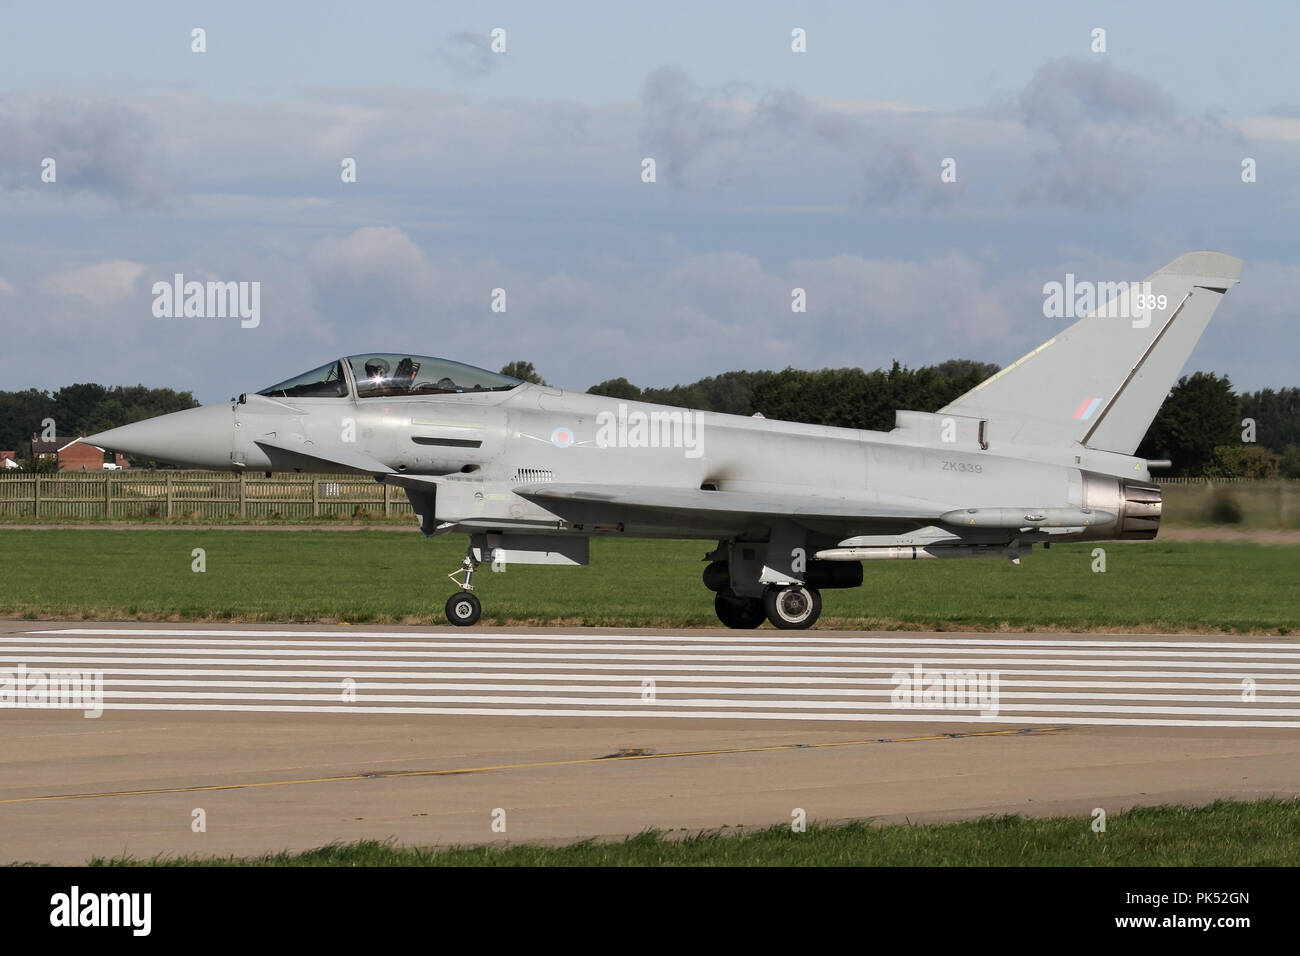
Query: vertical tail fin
[[1101, 381]]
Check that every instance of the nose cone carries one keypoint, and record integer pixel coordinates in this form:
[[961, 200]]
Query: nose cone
[[201, 437]]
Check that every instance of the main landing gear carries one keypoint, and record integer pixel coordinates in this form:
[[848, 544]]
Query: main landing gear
[[739, 612], [464, 608], [790, 607]]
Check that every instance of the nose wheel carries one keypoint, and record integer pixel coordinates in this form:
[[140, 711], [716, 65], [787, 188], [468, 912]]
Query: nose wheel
[[464, 608]]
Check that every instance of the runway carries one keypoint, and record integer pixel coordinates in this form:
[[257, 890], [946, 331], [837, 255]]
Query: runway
[[293, 736], [1036, 680]]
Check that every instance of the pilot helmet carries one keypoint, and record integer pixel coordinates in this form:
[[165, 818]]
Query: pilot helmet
[[377, 368]]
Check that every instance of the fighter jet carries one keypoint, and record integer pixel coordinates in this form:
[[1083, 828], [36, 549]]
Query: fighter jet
[[1039, 453]]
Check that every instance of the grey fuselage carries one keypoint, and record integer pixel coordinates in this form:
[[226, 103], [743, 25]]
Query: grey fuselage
[[482, 447]]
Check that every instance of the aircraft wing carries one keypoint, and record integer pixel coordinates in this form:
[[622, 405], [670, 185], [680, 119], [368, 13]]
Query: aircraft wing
[[347, 459], [736, 503]]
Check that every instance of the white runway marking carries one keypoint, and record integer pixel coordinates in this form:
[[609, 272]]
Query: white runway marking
[[750, 676]]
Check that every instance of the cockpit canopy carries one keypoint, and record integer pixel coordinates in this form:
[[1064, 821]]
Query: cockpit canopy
[[390, 373], [396, 374], [324, 382]]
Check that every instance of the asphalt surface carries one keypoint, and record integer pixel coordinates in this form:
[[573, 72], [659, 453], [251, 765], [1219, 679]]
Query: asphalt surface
[[289, 737]]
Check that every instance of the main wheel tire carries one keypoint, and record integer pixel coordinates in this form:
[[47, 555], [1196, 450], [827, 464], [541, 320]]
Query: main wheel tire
[[739, 612], [792, 607], [463, 609]]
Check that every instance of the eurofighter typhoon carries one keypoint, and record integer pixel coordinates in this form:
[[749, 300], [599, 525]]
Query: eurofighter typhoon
[[1040, 452]]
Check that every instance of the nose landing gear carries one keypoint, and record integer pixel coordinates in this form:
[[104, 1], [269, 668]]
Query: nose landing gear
[[464, 608]]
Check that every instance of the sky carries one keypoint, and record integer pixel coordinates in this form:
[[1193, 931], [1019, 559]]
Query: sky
[[524, 171]]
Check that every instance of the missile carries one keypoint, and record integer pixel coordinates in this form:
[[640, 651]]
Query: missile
[[1013, 551]]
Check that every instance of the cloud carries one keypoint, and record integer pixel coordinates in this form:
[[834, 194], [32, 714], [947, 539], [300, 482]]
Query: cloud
[[1286, 128], [874, 149], [5, 287], [471, 54], [405, 142], [1080, 134], [1064, 93], [102, 284], [606, 276], [102, 146], [1252, 335], [1113, 133], [377, 288], [709, 312], [680, 127], [373, 257]]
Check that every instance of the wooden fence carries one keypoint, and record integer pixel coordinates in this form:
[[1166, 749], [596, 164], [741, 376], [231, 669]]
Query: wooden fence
[[1250, 502], [196, 494]]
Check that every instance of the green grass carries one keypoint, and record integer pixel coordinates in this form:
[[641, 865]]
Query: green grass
[[1260, 833], [391, 577]]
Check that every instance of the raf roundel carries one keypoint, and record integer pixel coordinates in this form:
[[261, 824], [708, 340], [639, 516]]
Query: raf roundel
[[562, 437]]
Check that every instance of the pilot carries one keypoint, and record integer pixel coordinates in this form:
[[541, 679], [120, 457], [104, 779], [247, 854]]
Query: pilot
[[377, 370]]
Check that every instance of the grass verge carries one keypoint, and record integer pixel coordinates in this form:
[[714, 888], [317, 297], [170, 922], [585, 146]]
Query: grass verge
[[378, 577], [1225, 833]]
